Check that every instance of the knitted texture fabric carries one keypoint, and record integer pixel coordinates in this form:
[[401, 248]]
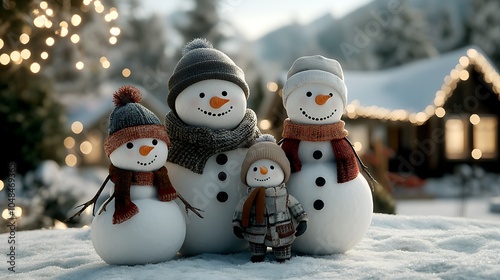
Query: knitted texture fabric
[[200, 61], [192, 146], [293, 133], [123, 179], [115, 140]]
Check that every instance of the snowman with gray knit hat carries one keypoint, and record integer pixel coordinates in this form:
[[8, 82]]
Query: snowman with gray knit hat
[[210, 128], [267, 216], [325, 174]]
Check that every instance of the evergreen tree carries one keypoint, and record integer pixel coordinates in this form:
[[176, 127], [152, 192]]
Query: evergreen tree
[[484, 28]]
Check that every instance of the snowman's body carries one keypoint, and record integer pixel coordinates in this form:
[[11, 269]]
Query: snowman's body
[[157, 231], [216, 192], [215, 105], [339, 214]]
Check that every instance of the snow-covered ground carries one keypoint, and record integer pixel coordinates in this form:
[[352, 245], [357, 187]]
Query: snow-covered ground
[[395, 247]]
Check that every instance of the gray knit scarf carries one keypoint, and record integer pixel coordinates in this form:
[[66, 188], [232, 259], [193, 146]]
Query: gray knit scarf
[[192, 146]]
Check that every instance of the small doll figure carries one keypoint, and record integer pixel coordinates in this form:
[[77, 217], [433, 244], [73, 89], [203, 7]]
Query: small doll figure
[[266, 216]]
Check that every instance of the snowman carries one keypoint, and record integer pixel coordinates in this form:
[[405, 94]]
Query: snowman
[[267, 215], [325, 175], [210, 129], [144, 224]]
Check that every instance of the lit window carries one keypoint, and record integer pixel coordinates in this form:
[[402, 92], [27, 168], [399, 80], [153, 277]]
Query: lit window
[[456, 138], [485, 136]]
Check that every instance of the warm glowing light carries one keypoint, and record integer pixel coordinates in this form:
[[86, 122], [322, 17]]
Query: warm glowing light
[[75, 38], [44, 55], [358, 146], [126, 72], [15, 56], [472, 53], [49, 12], [113, 13], [113, 40], [71, 160], [50, 41], [4, 59], [1, 43], [115, 31], [421, 117], [86, 2], [24, 38], [35, 67], [272, 86], [59, 225], [18, 211], [106, 64], [440, 112], [44, 5], [474, 119], [265, 124], [39, 21], [48, 23], [64, 31], [1, 185], [79, 65], [464, 75], [99, 9], [69, 142], [86, 147], [464, 61], [64, 24], [77, 127], [108, 18], [25, 54], [476, 154], [6, 214], [76, 20]]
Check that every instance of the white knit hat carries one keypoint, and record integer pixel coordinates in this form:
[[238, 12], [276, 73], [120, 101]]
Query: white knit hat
[[315, 69]]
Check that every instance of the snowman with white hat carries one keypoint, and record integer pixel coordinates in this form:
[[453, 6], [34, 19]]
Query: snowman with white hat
[[325, 174]]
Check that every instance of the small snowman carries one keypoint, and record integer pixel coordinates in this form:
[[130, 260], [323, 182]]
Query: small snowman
[[144, 224], [325, 175], [210, 129], [267, 215]]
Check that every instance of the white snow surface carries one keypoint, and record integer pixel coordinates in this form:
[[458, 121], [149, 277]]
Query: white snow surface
[[395, 247]]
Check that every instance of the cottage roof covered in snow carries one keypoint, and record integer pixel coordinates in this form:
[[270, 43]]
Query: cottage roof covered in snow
[[412, 91]]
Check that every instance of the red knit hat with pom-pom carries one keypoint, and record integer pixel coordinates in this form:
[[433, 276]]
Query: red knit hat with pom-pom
[[130, 120]]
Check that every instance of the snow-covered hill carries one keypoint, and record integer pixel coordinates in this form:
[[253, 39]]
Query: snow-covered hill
[[395, 247]]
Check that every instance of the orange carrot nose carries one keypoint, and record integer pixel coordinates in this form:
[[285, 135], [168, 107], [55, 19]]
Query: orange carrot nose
[[144, 150], [217, 102], [322, 98], [263, 170]]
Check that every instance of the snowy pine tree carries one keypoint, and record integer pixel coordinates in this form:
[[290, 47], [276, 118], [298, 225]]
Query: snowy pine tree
[[484, 26]]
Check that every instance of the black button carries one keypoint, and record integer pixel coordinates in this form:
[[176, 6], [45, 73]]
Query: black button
[[320, 181], [317, 154], [222, 196], [222, 176], [221, 159], [318, 204]]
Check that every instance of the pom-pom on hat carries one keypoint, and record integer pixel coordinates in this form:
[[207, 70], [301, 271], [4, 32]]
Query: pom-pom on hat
[[315, 69], [201, 61], [129, 120], [265, 147]]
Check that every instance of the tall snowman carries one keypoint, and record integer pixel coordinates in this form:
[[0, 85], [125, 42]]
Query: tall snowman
[[143, 224], [325, 175], [211, 129]]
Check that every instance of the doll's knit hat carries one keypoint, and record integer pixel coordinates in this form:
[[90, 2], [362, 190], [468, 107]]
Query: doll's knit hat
[[265, 147], [129, 121], [315, 69], [201, 61]]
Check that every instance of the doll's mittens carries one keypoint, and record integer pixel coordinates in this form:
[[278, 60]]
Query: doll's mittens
[[238, 232], [301, 228]]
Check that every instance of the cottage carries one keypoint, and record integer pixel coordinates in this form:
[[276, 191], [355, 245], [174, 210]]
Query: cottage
[[430, 116]]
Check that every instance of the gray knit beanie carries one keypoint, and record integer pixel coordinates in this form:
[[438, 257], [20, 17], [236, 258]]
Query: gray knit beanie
[[199, 62], [315, 69], [265, 147], [130, 120]]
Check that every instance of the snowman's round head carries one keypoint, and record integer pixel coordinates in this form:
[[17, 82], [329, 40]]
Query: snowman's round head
[[265, 164], [216, 104], [144, 154], [137, 139], [315, 92], [202, 62]]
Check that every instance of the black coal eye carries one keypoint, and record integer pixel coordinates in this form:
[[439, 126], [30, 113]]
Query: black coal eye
[[255, 169], [130, 145], [155, 142], [224, 93], [272, 167], [331, 94], [202, 94], [309, 94]]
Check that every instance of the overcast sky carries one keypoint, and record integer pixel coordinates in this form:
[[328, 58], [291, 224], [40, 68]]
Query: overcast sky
[[255, 18]]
